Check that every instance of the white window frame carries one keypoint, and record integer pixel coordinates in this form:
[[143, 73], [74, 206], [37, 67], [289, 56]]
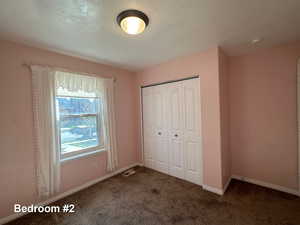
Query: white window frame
[[100, 131]]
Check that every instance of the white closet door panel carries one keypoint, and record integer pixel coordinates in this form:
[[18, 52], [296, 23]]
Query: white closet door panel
[[162, 155], [176, 166], [155, 131], [175, 107], [148, 129], [191, 107], [175, 127], [192, 162], [147, 112], [160, 129], [149, 145], [191, 130], [158, 108]]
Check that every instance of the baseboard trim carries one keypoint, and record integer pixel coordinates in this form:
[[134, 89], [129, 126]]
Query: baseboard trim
[[226, 185], [267, 185], [140, 164], [69, 192], [213, 189]]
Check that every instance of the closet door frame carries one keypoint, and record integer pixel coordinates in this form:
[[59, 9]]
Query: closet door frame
[[142, 127], [142, 122]]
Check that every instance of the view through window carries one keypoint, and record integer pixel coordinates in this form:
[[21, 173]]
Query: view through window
[[79, 124]]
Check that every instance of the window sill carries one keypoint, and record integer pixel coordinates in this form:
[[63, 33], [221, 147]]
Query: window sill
[[81, 155]]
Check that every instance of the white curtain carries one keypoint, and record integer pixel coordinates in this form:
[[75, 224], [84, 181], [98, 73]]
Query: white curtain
[[45, 138], [90, 86], [110, 125]]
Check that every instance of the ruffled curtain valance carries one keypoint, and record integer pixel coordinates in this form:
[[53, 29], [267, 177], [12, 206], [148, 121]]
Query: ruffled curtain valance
[[70, 82]]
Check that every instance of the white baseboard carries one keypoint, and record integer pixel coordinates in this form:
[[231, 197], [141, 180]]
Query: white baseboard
[[213, 189], [227, 184], [217, 190], [267, 185], [140, 164], [69, 192], [252, 181]]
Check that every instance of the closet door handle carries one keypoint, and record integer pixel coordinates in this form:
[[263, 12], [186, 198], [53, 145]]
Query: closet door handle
[[176, 135], [159, 133]]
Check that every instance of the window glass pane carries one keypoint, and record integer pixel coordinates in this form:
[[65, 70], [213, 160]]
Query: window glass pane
[[77, 130], [71, 105], [77, 133]]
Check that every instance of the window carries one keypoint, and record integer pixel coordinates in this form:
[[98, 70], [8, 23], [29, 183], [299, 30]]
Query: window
[[79, 125], [73, 116]]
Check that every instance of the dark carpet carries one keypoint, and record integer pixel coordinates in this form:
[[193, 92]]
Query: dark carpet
[[150, 198]]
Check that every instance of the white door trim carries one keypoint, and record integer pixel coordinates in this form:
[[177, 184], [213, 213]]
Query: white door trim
[[142, 125]]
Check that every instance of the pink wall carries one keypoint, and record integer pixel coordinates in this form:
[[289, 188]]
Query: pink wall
[[224, 109], [251, 99], [204, 64], [17, 182], [263, 122]]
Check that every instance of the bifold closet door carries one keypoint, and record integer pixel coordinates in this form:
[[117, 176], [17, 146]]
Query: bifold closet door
[[175, 127], [148, 118], [171, 123], [161, 154], [191, 130], [154, 124]]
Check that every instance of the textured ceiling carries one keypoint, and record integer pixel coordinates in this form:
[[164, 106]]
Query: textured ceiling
[[88, 28]]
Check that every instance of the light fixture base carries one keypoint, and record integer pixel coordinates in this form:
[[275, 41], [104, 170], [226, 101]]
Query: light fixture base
[[133, 21]]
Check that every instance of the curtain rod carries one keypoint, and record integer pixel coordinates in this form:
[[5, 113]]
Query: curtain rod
[[28, 65]]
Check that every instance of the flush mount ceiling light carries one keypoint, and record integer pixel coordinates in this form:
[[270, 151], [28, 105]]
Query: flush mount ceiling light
[[133, 21]]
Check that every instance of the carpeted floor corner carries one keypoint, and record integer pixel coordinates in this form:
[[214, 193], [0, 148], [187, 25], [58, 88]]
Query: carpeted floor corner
[[153, 198]]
